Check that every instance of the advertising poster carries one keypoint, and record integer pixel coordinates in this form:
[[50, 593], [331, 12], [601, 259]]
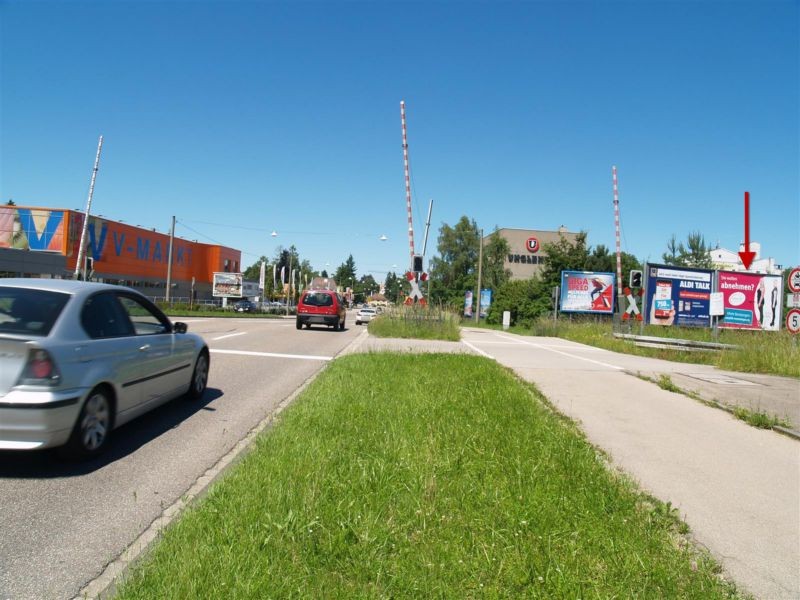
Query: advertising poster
[[227, 285], [751, 300], [587, 292], [31, 229], [468, 304], [486, 302], [678, 296]]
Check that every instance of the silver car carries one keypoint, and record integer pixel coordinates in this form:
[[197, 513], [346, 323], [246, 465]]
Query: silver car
[[79, 359], [365, 315]]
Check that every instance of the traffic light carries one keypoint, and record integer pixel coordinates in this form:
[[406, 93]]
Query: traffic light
[[636, 279], [417, 263]]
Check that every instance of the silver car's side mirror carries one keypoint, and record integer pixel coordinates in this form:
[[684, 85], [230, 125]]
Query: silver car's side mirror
[[179, 327]]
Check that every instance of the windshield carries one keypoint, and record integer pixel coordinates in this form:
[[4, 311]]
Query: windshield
[[29, 312]]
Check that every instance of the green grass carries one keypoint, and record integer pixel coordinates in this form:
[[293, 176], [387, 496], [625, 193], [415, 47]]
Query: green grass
[[426, 323], [768, 352], [437, 476]]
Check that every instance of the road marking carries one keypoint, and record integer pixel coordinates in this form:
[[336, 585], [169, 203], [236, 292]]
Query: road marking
[[272, 354], [478, 350], [230, 335], [542, 347]]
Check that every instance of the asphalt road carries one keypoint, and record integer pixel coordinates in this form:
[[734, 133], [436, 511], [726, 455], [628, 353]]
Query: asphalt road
[[62, 523]]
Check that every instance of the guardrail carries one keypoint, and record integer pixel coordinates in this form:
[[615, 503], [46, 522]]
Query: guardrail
[[647, 341]]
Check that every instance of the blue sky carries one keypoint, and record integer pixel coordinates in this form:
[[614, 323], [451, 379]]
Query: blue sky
[[241, 118]]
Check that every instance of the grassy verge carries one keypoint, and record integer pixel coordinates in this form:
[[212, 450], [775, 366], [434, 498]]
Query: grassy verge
[[769, 352], [438, 476], [426, 323]]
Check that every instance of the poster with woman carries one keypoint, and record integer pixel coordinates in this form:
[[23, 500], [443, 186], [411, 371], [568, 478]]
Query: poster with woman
[[751, 300]]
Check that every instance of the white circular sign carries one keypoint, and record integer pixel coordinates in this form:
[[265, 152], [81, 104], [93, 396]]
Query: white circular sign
[[794, 280], [793, 320]]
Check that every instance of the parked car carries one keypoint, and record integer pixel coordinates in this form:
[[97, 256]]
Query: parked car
[[79, 359], [321, 307], [245, 306], [365, 315]]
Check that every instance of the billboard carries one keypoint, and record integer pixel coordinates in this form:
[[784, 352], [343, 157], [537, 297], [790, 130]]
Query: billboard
[[751, 300], [678, 296], [485, 302], [227, 285], [468, 304], [587, 292]]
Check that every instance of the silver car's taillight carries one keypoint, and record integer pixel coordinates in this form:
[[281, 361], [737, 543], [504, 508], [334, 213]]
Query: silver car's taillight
[[40, 369]]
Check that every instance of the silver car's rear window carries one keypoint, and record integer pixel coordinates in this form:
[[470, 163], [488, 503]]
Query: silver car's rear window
[[29, 312]]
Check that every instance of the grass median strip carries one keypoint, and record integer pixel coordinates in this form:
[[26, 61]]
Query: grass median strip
[[419, 476]]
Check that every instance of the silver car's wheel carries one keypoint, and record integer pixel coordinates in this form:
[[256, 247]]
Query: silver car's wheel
[[197, 387], [95, 422], [93, 428]]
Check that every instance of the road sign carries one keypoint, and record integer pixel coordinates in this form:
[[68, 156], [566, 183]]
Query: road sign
[[793, 300], [794, 280], [632, 308], [793, 320]]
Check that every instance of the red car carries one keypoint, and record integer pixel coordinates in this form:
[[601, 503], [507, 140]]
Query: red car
[[321, 307]]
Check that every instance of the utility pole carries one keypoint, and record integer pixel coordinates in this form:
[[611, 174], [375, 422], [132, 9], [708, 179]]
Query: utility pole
[[480, 265], [81, 259], [169, 259]]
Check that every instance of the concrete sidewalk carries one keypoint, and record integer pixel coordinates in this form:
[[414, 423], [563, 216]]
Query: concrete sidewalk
[[736, 486]]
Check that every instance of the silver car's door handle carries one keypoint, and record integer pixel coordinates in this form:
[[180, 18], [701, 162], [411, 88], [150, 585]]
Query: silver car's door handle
[[144, 348]]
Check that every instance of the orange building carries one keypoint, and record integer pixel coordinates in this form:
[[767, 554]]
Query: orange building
[[43, 242]]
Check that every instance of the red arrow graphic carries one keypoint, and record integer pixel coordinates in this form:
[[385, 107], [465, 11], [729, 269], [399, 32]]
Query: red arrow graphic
[[747, 256]]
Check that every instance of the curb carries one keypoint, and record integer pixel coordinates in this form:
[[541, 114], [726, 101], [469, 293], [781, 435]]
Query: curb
[[105, 585]]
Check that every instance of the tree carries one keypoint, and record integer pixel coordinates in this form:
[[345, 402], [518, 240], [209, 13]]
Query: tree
[[672, 255], [393, 286], [564, 255], [494, 273], [602, 261], [367, 286], [253, 272], [454, 270], [695, 253], [345, 274]]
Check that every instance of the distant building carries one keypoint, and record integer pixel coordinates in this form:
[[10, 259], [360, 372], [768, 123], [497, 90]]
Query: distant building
[[526, 255], [728, 260], [43, 242]]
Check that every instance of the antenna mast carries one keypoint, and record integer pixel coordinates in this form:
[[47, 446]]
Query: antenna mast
[[408, 182], [620, 284]]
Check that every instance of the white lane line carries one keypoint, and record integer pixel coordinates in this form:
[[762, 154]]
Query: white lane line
[[478, 350], [272, 354], [222, 337], [489, 342], [542, 347]]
